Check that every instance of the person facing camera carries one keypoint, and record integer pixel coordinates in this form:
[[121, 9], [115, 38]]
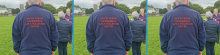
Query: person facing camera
[[212, 33], [138, 28]]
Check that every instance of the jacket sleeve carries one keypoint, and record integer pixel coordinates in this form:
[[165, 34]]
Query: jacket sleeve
[[218, 34], [201, 34], [70, 31], [164, 38], [16, 35], [53, 33], [144, 31], [128, 33], [90, 35]]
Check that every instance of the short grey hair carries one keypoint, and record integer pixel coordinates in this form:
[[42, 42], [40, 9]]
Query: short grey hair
[[208, 15], [216, 9], [141, 9], [33, 1], [135, 15], [67, 9], [107, 1], [181, 1], [61, 15]]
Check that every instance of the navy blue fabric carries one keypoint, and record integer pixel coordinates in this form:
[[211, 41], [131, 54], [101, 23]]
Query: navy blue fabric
[[65, 30], [34, 37], [108, 31], [136, 48], [210, 50], [138, 28], [212, 30], [62, 48], [182, 32]]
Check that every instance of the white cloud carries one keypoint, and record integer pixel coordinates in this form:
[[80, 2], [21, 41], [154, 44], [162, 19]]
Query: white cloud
[[89, 3], [163, 3], [15, 3]]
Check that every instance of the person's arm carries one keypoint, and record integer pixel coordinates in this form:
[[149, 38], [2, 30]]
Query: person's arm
[[16, 35], [90, 35], [164, 38], [144, 31], [218, 34], [201, 34], [70, 31], [54, 33], [128, 33]]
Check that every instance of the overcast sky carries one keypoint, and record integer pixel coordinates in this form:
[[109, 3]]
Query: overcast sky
[[15, 3], [163, 3], [89, 3]]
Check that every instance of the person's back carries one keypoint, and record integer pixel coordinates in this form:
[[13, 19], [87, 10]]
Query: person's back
[[65, 30], [138, 28], [108, 32], [212, 30], [182, 31], [34, 31]]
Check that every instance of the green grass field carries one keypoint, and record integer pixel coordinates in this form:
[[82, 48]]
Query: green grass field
[[80, 44], [154, 39], [6, 43]]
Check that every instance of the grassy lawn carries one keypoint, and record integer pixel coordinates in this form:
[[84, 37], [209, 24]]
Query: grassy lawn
[[80, 44], [6, 43], [154, 39]]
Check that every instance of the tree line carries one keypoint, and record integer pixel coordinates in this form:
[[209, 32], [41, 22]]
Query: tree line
[[122, 7]]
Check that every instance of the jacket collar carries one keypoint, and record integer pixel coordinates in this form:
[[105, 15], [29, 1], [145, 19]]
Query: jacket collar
[[109, 6], [63, 19], [136, 19], [34, 5], [210, 19], [181, 5]]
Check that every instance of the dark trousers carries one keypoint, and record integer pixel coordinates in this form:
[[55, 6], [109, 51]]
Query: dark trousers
[[210, 48], [136, 48], [62, 48]]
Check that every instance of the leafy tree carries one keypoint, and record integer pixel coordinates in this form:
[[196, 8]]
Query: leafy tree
[[198, 8], [124, 8], [61, 8], [209, 8], [77, 6], [89, 11], [143, 4], [50, 8], [69, 4], [3, 6], [135, 8], [174, 4], [150, 6], [15, 11], [163, 11], [217, 4]]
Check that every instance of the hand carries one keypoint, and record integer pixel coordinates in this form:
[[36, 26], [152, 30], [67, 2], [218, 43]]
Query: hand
[[165, 53], [200, 52], [53, 52], [126, 53], [92, 54], [18, 53], [205, 19]]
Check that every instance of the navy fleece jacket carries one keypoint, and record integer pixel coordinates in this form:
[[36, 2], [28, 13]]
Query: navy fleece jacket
[[108, 32], [182, 32], [34, 32]]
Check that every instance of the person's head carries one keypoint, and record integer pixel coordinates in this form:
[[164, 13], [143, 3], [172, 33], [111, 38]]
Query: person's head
[[34, 2], [135, 15], [208, 15], [68, 11], [108, 2], [61, 15], [182, 2], [215, 11], [142, 11]]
